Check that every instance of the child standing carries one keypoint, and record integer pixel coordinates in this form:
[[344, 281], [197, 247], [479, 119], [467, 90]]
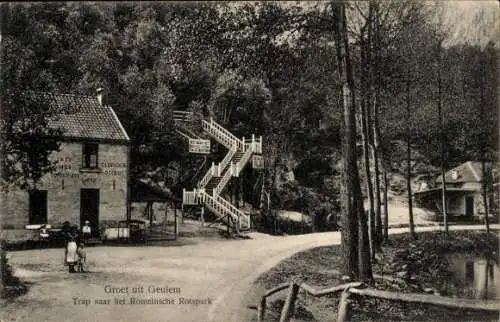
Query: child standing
[[86, 231], [82, 256]]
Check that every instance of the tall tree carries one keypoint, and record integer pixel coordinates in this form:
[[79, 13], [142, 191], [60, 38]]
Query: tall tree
[[27, 137], [484, 181], [374, 56], [408, 157], [355, 241], [441, 136], [366, 124]]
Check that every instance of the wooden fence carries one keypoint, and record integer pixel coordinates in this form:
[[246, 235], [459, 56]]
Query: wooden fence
[[359, 289]]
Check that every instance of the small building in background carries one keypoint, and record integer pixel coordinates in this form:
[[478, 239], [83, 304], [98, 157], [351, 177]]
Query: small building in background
[[464, 198], [90, 181]]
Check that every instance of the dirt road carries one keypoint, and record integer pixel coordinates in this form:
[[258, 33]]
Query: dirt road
[[203, 282]]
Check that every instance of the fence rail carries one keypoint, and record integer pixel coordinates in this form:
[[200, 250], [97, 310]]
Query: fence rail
[[357, 288]]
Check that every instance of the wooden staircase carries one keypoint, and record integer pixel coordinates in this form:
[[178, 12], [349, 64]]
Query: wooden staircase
[[208, 192]]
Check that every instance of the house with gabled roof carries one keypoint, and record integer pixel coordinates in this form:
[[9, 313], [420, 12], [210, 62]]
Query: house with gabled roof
[[90, 182], [463, 192]]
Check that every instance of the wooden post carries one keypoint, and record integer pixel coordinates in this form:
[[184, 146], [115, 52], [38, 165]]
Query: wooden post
[[343, 314], [289, 306], [261, 309], [202, 218]]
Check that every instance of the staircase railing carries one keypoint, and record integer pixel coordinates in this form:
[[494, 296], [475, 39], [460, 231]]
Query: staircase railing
[[226, 168], [222, 135], [243, 218], [254, 143], [189, 197], [217, 207], [223, 164], [244, 159], [225, 179], [183, 116], [206, 178]]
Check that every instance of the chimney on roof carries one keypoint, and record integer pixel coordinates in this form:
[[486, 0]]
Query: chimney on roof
[[100, 94]]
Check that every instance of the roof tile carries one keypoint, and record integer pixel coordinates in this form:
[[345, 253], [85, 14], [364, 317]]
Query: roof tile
[[469, 171], [83, 117]]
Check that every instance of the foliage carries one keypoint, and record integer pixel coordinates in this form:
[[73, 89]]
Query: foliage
[[10, 286], [27, 138], [263, 68], [321, 267]]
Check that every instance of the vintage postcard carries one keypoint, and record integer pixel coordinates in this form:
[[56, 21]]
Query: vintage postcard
[[249, 161]]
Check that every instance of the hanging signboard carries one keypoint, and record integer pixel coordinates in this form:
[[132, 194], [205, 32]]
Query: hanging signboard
[[199, 146], [257, 162]]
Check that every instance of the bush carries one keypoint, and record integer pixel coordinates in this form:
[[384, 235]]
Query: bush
[[266, 224], [11, 286]]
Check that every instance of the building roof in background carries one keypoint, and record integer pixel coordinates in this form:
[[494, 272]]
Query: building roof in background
[[469, 171], [437, 191], [83, 117]]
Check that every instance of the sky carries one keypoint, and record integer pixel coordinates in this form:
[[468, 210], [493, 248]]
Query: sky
[[475, 22]]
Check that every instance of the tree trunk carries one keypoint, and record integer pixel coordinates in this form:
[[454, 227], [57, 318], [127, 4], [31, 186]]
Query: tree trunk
[[374, 33], [484, 182], [349, 233], [364, 260], [408, 158], [355, 232], [273, 189], [485, 195], [375, 151], [369, 185], [386, 207], [441, 143]]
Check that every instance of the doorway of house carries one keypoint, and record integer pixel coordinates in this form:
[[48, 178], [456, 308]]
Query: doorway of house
[[469, 206], [89, 209], [38, 207]]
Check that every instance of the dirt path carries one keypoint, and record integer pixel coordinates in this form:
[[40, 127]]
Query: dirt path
[[217, 273], [233, 304], [191, 272]]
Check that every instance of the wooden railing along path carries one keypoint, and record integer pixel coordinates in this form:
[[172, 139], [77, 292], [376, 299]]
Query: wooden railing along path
[[359, 289]]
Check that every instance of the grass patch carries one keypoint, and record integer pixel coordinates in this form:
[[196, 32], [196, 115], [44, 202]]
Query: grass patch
[[416, 265]]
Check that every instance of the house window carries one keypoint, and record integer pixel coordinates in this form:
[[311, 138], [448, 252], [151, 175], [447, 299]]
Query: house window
[[90, 155]]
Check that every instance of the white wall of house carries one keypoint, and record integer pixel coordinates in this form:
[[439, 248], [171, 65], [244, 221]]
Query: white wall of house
[[457, 205], [63, 189]]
